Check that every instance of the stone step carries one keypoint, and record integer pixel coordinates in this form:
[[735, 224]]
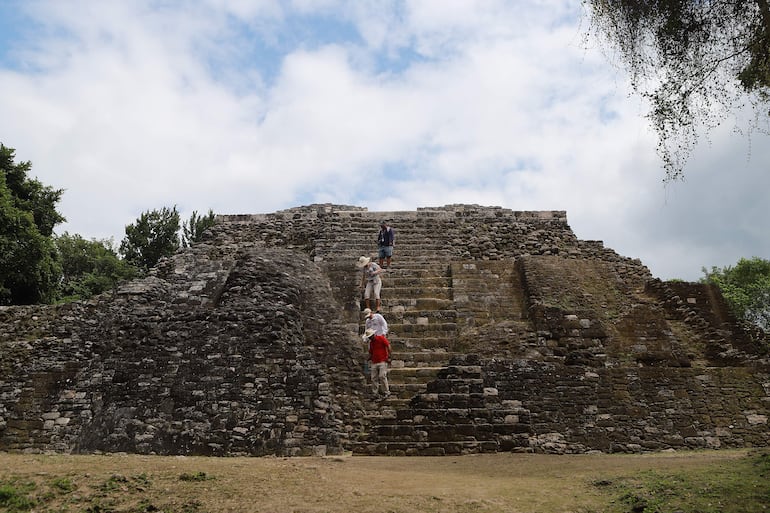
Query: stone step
[[405, 226], [415, 342], [436, 328], [447, 406], [421, 358], [423, 448], [395, 306], [422, 341], [462, 372], [412, 374], [383, 410], [418, 343], [365, 245], [406, 229], [436, 335], [405, 325], [416, 292], [420, 304], [401, 259], [476, 286], [403, 269], [398, 363], [392, 280], [428, 258], [414, 316], [399, 414], [470, 431], [492, 413], [402, 393], [412, 244]]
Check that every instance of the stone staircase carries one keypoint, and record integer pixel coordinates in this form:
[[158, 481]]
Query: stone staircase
[[524, 298], [435, 408], [454, 415]]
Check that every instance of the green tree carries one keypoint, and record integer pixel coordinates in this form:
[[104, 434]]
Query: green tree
[[89, 267], [746, 288], [193, 228], [29, 266], [153, 236], [693, 60]]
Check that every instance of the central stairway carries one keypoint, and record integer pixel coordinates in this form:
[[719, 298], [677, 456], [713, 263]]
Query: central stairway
[[435, 408]]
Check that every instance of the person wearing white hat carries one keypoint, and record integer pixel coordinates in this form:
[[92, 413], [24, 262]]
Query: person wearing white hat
[[370, 280], [379, 355], [375, 321]]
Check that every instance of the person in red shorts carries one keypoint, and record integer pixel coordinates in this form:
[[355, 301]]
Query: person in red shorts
[[379, 355]]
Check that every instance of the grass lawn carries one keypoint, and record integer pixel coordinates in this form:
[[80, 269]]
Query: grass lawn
[[728, 481]]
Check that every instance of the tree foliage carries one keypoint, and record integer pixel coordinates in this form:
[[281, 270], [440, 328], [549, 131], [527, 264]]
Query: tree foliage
[[36, 266], [193, 228], [89, 267], [746, 288], [693, 60], [29, 266], [153, 236]]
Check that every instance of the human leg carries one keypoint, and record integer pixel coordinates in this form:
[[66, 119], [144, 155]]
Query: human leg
[[370, 289], [387, 252], [382, 377], [381, 254], [374, 375], [376, 292]]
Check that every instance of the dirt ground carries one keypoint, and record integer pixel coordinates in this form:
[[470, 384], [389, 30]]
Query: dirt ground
[[476, 483]]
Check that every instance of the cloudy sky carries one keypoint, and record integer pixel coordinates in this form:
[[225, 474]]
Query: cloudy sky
[[252, 106]]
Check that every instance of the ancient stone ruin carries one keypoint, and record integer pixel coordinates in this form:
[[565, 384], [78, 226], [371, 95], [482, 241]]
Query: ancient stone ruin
[[509, 334]]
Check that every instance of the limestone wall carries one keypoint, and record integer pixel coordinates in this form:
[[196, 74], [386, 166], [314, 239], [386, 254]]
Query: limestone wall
[[250, 360], [247, 343], [632, 409]]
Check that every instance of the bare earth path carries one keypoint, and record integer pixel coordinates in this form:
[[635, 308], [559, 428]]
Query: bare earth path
[[477, 483]]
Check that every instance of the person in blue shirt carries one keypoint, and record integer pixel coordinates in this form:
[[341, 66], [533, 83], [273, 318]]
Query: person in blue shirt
[[386, 239]]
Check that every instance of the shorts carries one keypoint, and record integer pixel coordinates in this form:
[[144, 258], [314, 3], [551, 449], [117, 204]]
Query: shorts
[[385, 251], [373, 287]]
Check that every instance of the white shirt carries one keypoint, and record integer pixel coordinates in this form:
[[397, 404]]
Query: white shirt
[[378, 323]]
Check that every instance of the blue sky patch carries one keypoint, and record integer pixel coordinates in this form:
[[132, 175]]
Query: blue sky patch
[[14, 28]]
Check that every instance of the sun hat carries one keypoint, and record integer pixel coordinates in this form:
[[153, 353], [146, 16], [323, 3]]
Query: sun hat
[[369, 333], [367, 311], [362, 261]]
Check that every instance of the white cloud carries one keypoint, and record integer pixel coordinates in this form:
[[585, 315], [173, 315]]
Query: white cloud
[[218, 106]]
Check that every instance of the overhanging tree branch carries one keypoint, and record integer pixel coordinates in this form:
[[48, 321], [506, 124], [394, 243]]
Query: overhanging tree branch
[[693, 60]]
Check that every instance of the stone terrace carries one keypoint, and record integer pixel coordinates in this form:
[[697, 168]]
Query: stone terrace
[[509, 334]]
